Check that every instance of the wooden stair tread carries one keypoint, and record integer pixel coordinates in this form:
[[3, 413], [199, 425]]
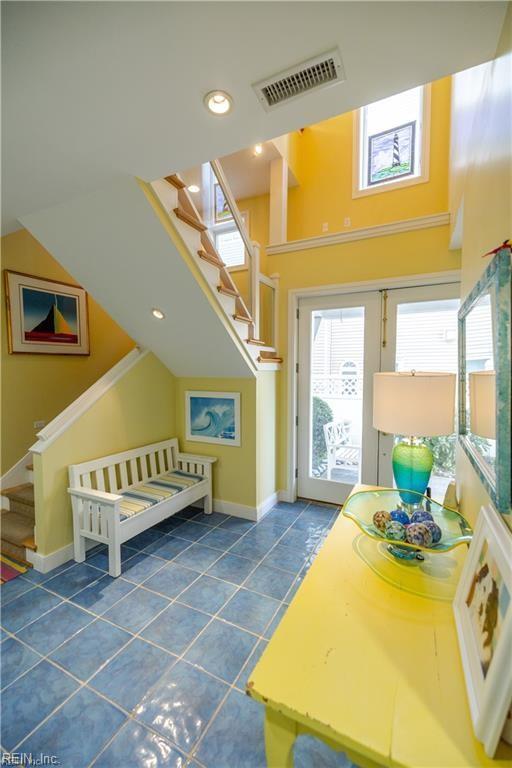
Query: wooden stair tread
[[211, 259], [191, 220], [14, 552], [23, 493], [30, 467], [17, 529], [257, 342], [228, 291], [243, 319], [269, 359], [175, 180]]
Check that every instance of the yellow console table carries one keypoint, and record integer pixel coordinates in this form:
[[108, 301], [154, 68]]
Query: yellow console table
[[366, 658]]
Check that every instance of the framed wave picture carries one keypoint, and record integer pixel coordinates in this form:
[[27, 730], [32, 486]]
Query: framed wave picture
[[45, 317], [213, 417]]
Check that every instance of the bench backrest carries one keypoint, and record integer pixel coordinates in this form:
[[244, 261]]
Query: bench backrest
[[119, 471]]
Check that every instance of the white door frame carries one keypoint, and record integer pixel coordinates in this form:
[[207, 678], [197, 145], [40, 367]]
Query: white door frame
[[329, 490], [407, 281]]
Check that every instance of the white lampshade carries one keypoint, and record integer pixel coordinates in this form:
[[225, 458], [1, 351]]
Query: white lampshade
[[414, 403], [482, 403]]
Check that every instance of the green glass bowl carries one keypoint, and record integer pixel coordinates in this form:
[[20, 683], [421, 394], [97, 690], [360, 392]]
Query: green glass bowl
[[361, 507]]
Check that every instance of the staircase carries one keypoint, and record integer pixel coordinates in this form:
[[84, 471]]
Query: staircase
[[185, 217], [17, 521]]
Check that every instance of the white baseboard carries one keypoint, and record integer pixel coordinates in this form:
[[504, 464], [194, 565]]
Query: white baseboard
[[267, 505], [286, 496], [46, 563], [232, 508]]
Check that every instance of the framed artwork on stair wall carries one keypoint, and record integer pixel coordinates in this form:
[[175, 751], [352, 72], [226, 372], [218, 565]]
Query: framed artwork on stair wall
[[45, 317], [213, 417]]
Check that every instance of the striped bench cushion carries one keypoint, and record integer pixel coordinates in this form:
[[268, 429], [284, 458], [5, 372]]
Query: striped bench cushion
[[140, 497]]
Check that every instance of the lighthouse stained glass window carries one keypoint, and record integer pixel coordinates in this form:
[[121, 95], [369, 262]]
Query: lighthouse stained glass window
[[391, 138]]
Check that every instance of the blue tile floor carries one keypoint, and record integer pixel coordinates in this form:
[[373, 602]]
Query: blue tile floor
[[150, 669]]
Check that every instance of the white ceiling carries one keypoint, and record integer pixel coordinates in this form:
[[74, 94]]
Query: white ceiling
[[94, 91]]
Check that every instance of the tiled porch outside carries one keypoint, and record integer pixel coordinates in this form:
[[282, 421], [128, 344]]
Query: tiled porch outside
[[150, 668]]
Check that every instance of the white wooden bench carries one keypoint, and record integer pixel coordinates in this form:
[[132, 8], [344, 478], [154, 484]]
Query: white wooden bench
[[116, 497]]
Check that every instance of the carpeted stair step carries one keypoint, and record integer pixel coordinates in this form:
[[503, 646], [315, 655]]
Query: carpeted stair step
[[21, 499], [14, 552], [17, 530]]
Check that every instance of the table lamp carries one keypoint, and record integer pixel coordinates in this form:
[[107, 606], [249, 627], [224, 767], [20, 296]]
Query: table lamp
[[482, 404], [413, 404]]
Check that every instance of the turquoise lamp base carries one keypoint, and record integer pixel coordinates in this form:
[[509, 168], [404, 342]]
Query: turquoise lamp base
[[412, 465]]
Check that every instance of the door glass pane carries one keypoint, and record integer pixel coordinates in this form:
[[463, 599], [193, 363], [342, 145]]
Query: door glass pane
[[426, 340], [337, 356]]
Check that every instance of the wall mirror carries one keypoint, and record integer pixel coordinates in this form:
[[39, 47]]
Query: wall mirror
[[484, 379]]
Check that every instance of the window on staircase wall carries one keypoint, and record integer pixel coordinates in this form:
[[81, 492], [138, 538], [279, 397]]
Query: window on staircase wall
[[229, 243], [391, 142]]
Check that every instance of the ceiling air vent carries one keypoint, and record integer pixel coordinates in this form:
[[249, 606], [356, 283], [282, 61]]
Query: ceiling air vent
[[315, 73]]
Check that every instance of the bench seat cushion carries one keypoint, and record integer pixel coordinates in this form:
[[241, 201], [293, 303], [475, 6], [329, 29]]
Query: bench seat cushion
[[139, 497]]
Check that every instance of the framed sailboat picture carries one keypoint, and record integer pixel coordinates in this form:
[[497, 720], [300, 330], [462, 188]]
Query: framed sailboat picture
[[45, 317]]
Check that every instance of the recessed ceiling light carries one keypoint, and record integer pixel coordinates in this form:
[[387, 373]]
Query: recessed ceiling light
[[218, 102], [258, 149], [193, 188], [157, 313]]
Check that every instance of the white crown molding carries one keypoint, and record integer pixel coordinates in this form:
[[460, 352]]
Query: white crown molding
[[87, 399], [363, 233]]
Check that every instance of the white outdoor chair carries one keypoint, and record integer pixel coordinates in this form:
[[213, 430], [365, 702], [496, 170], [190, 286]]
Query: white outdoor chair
[[340, 449]]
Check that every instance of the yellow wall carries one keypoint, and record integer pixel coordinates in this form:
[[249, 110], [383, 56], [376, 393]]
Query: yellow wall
[[324, 170], [482, 174], [148, 405], [234, 474], [38, 387], [138, 409], [408, 253], [266, 436]]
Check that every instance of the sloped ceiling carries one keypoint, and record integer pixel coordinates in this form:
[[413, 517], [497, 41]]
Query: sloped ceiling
[[94, 91]]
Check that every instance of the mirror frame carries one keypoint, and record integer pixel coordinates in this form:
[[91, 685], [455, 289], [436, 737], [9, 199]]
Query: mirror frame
[[497, 276]]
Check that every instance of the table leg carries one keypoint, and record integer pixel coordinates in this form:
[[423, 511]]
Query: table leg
[[280, 734]]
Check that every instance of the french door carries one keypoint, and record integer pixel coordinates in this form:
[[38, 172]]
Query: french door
[[421, 334], [339, 350], [343, 341]]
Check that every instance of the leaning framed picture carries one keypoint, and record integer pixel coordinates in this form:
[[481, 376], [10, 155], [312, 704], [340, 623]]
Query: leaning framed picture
[[45, 317], [213, 417], [391, 153], [222, 212], [483, 615]]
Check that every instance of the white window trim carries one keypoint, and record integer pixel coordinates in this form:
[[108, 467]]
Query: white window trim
[[222, 226], [390, 186]]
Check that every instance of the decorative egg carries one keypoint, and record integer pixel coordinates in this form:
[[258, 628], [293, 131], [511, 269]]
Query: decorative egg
[[418, 534], [400, 516], [395, 530], [420, 516], [435, 530], [380, 519]]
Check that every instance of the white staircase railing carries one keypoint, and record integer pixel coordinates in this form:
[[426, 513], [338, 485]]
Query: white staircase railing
[[69, 415]]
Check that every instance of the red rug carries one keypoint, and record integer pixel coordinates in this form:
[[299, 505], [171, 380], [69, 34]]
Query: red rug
[[9, 569]]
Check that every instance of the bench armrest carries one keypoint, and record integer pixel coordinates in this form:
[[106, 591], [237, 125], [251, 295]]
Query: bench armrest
[[198, 459], [202, 465], [92, 495]]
